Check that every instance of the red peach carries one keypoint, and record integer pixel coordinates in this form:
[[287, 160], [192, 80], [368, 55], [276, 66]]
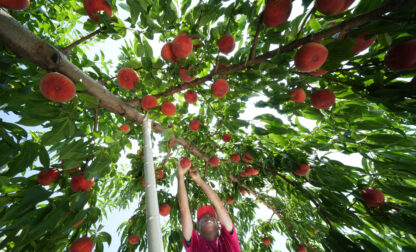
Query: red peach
[[226, 44], [127, 78], [329, 7], [79, 184], [277, 12], [402, 56], [372, 197], [361, 43], [84, 244], [57, 87], [185, 77], [159, 173], [303, 169], [246, 157], [125, 127], [149, 102], [214, 161], [185, 162], [167, 52], [243, 174], [93, 6], [347, 4], [323, 99], [219, 88], [133, 239], [194, 125], [243, 191], [15, 4], [226, 137], [310, 57], [250, 171], [79, 222], [298, 95], [235, 158], [182, 46], [191, 97], [302, 249], [168, 108], [266, 241], [48, 177], [164, 209], [230, 201]]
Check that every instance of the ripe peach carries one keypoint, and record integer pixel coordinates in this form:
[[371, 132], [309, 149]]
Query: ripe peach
[[167, 52], [302, 249], [149, 102], [303, 169], [168, 108], [230, 201], [277, 12], [226, 43], [79, 184], [298, 95], [347, 4], [194, 125], [310, 57], [159, 173], [361, 43], [172, 143], [214, 161], [185, 162], [246, 157], [133, 239], [372, 197], [402, 56], [243, 191], [15, 4], [219, 88], [164, 209], [79, 222], [329, 7], [266, 241], [48, 177], [143, 182], [84, 244], [185, 77], [250, 171], [318, 72], [191, 97], [226, 137], [127, 78], [243, 174], [182, 46], [235, 158], [57, 87], [93, 6], [322, 99], [125, 127]]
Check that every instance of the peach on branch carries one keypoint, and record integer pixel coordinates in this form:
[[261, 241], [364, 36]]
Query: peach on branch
[[322, 99], [149, 102], [185, 77], [191, 97], [361, 43], [250, 171], [230, 201], [246, 157], [185, 162], [226, 44], [243, 191], [266, 241], [277, 12], [219, 88], [298, 95], [372, 197], [48, 177], [226, 137], [347, 4], [92, 7], [214, 161], [133, 239], [194, 125], [168, 108], [302, 249], [125, 128], [57, 87], [310, 57], [159, 173], [80, 184], [127, 78], [329, 7], [79, 222], [164, 209], [303, 170], [15, 4], [235, 158], [182, 46], [84, 244], [402, 57], [167, 53]]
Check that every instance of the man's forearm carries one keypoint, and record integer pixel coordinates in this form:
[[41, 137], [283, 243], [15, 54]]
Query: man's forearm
[[186, 217]]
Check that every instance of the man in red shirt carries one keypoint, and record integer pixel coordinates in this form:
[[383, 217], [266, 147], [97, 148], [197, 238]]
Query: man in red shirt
[[210, 237]]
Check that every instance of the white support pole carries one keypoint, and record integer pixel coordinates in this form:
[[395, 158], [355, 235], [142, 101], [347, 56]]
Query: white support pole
[[154, 231]]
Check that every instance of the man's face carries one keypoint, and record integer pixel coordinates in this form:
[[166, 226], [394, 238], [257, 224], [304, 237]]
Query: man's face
[[208, 227]]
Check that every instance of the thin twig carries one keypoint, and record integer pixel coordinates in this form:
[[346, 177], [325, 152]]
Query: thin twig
[[68, 49], [304, 22], [255, 40]]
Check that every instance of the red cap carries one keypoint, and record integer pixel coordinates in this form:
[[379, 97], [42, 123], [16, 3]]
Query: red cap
[[205, 210]]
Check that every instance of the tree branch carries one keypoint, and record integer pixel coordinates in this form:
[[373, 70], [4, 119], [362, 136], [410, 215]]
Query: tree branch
[[255, 40], [68, 49], [304, 22]]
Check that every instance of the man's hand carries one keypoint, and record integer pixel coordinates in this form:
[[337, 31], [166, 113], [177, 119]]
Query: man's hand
[[195, 175], [182, 170]]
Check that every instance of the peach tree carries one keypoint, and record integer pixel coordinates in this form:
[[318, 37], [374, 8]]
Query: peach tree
[[347, 68]]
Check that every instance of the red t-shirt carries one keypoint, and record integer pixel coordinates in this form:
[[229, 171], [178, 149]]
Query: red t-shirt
[[226, 242]]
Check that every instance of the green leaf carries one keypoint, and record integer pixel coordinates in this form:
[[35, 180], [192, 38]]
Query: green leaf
[[25, 158], [88, 100], [64, 130], [44, 157]]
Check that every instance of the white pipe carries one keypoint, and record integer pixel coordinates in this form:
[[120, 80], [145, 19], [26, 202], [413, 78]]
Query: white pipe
[[154, 232]]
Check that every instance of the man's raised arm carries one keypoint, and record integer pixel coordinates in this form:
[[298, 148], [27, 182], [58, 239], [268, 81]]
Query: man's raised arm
[[186, 217], [215, 200]]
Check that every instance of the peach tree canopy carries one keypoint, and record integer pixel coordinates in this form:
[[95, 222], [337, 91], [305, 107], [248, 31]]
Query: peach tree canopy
[[318, 202]]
